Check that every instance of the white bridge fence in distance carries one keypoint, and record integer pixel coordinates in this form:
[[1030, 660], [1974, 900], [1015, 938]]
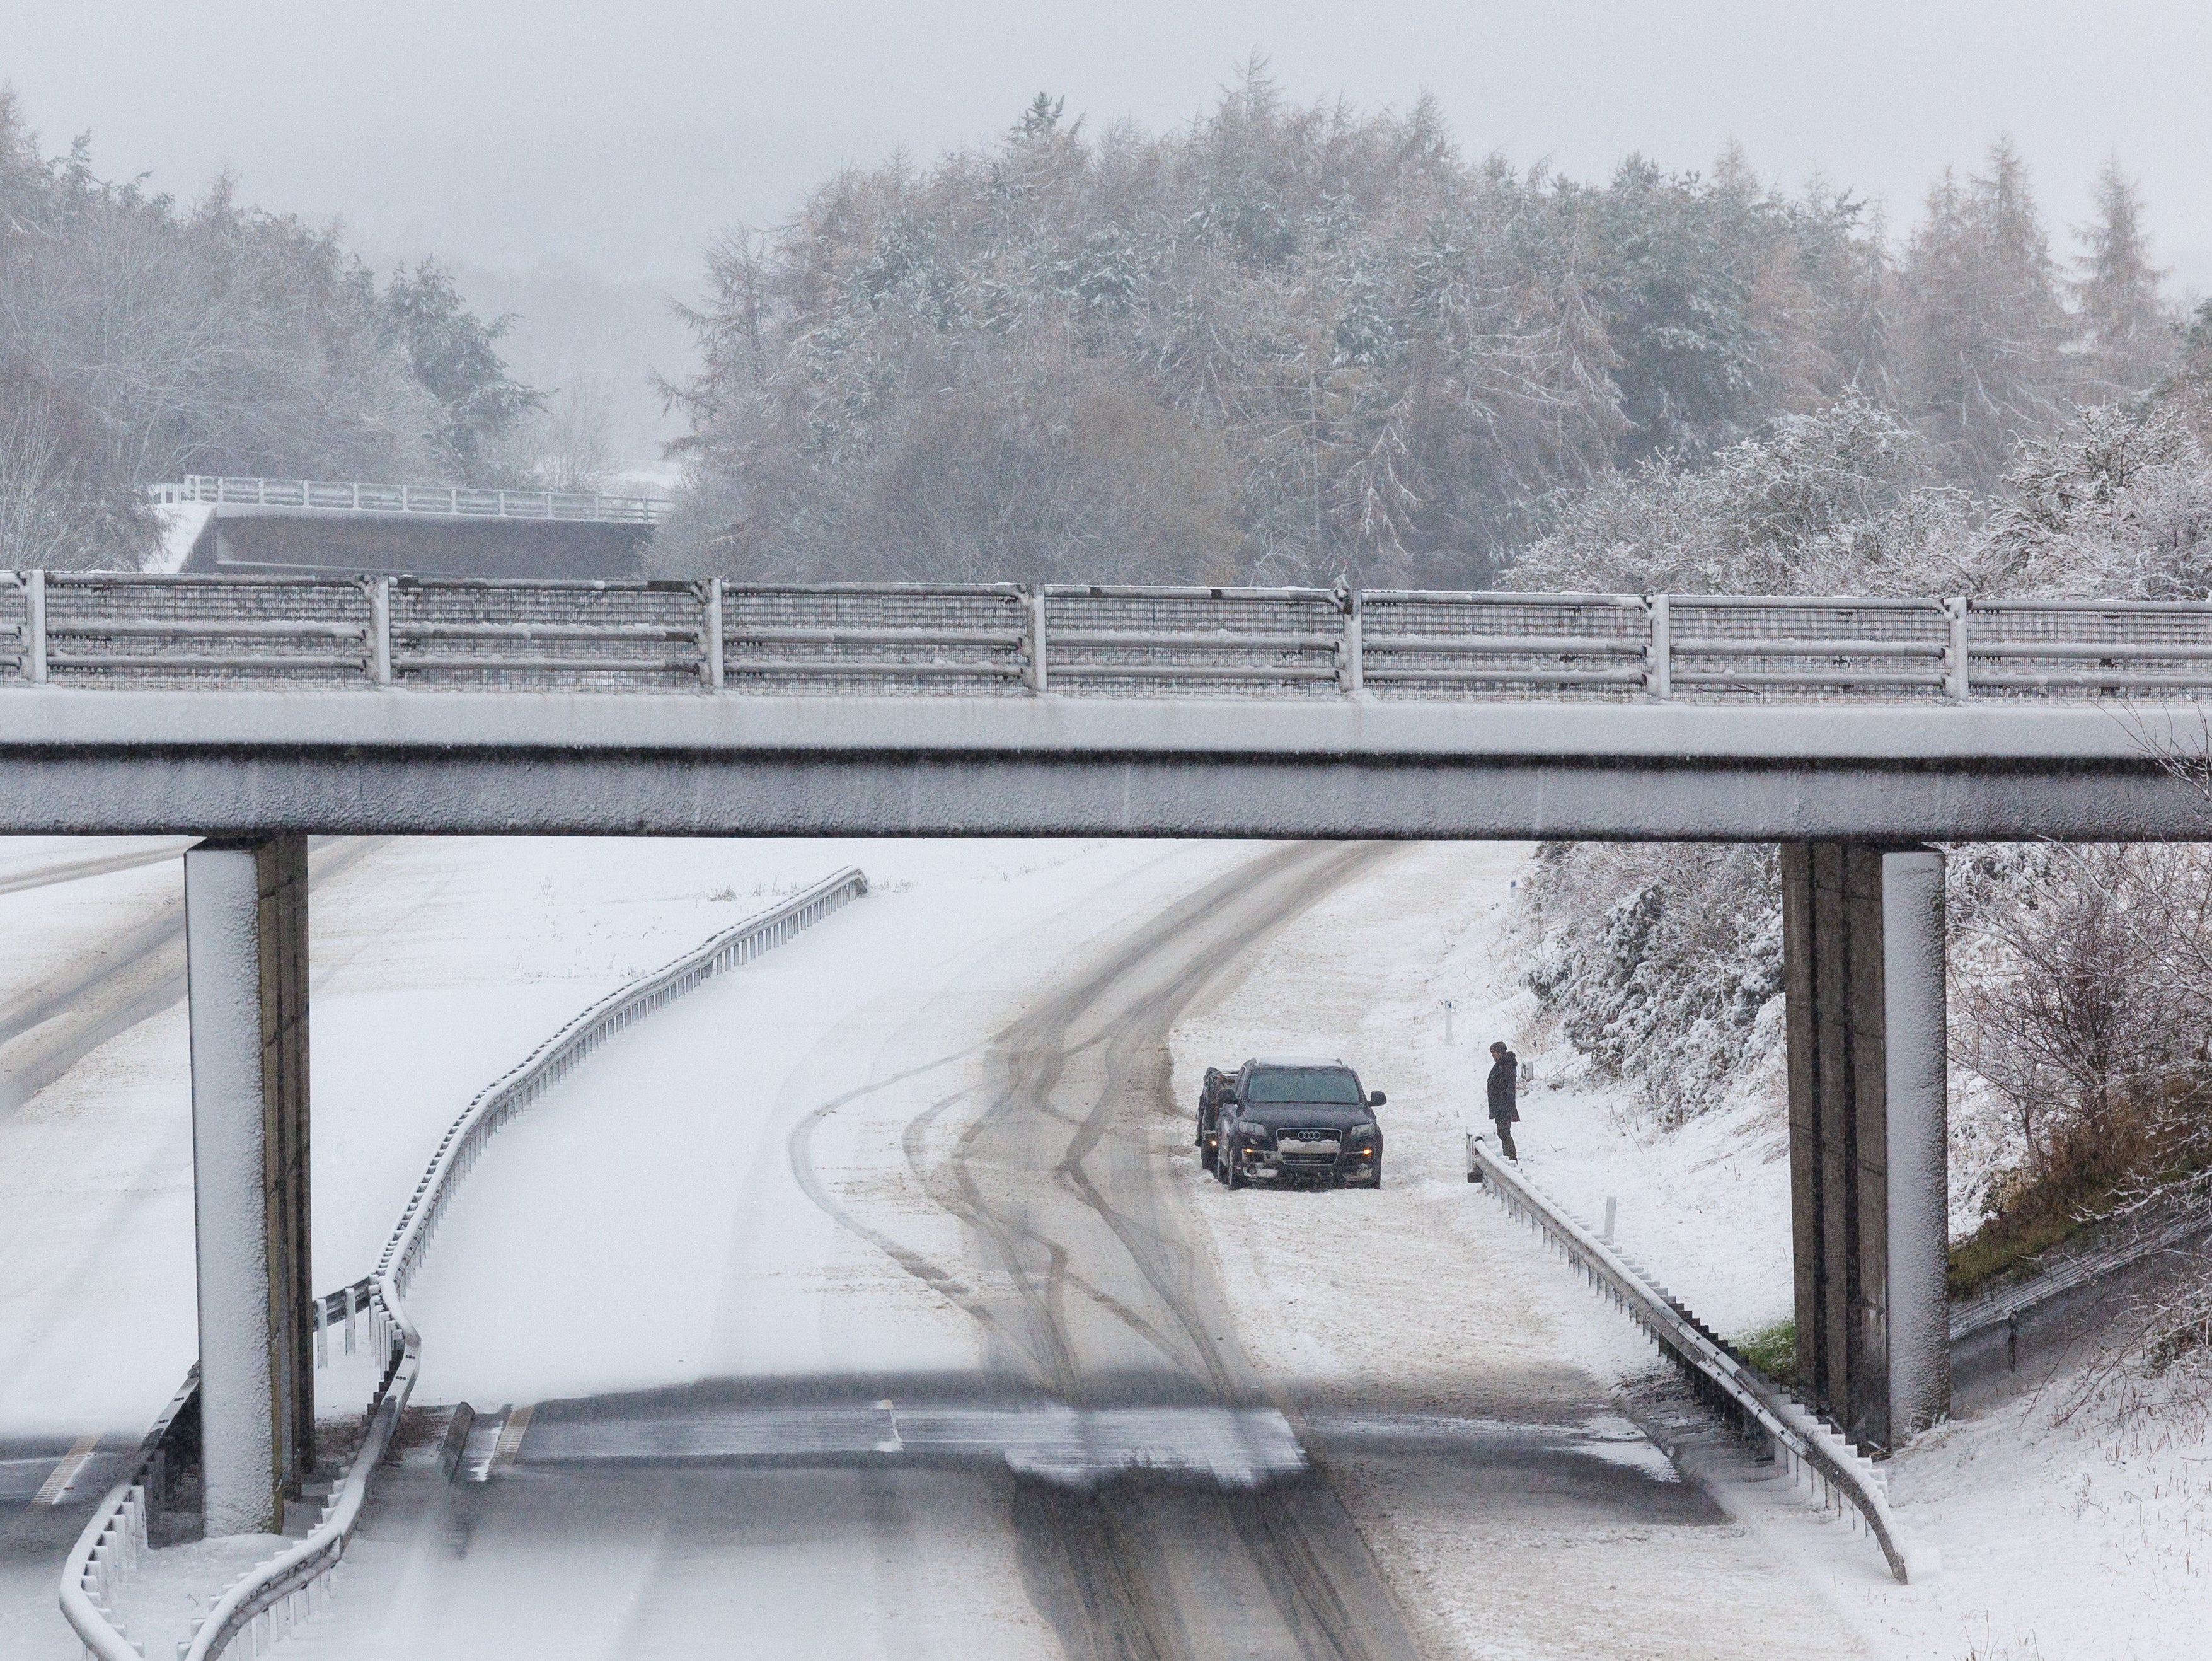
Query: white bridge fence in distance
[[445, 500]]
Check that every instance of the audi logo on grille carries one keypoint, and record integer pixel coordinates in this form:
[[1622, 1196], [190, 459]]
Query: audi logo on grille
[[1310, 1135]]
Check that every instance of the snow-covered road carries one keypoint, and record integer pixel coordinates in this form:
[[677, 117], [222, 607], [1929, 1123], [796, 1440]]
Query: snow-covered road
[[869, 1304], [870, 1301]]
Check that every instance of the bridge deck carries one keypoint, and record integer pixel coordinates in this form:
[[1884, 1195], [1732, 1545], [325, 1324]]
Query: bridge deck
[[155, 705]]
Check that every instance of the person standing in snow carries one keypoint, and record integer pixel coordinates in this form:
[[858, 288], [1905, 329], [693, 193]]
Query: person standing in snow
[[1504, 1073]]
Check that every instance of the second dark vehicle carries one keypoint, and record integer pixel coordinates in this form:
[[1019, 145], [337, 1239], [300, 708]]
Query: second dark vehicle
[[1290, 1122]]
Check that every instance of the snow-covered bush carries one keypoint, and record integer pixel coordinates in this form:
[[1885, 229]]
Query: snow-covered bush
[[1662, 962], [2119, 506], [1844, 500]]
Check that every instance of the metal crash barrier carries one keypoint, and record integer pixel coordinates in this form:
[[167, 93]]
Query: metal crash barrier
[[1812, 1452]]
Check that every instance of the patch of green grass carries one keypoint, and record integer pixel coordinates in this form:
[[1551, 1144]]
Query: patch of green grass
[[1773, 1350], [2081, 1178], [2013, 1236], [2080, 1181]]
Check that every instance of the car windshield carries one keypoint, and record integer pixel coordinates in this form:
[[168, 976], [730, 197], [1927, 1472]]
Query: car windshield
[[1336, 1086]]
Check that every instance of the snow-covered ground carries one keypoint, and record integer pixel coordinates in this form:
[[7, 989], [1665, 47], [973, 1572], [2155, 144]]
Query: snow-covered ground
[[2061, 1536], [438, 962], [181, 524], [1424, 1302], [669, 1217]]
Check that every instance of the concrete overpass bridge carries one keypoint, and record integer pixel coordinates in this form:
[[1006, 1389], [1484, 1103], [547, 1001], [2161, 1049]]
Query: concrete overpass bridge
[[255, 710], [309, 525]]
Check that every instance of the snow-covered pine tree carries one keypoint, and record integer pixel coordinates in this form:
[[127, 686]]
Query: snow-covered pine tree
[[1984, 331], [2128, 328]]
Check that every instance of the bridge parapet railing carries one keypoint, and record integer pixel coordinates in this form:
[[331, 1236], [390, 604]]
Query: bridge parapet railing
[[2089, 647], [453, 630], [449, 500], [1132, 641], [1433, 644], [103, 629], [95, 629]]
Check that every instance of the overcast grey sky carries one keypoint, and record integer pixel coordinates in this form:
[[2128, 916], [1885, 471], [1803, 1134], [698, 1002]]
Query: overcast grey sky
[[627, 134]]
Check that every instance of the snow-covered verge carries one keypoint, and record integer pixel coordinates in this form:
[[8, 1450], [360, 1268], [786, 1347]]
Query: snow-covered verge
[[2061, 1536], [181, 523]]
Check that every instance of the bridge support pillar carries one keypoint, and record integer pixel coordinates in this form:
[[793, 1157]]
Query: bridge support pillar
[[1863, 931], [246, 937]]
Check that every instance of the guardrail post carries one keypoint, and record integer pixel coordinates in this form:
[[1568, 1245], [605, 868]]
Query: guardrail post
[[34, 627], [710, 636], [1659, 657], [1348, 663], [379, 631], [1954, 654], [1034, 673]]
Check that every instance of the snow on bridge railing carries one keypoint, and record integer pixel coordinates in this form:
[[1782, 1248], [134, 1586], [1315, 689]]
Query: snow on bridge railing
[[271, 1599], [447, 501], [1811, 1450], [84, 629]]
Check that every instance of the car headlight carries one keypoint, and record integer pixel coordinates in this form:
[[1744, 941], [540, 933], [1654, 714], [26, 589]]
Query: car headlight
[[1362, 1133], [1258, 1135]]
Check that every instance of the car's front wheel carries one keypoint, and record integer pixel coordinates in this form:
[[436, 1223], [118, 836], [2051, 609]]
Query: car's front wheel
[[1206, 1155], [1236, 1179]]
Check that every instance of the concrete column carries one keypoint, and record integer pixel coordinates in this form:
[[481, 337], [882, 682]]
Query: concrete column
[[246, 943], [1918, 1125], [1863, 947]]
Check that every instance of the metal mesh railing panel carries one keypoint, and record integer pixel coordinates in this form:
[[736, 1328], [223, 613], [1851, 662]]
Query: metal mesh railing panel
[[109, 630], [15, 615], [969, 640], [1761, 649], [641, 635], [1446, 646], [2088, 650], [1136, 643]]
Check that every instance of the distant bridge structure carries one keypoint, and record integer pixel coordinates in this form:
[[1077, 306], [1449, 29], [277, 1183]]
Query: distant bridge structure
[[254, 709], [308, 525]]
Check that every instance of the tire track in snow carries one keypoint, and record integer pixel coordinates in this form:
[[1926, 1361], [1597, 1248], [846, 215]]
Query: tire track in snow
[[1109, 1539]]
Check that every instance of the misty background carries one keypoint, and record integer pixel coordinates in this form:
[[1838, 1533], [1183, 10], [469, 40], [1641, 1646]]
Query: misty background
[[570, 163]]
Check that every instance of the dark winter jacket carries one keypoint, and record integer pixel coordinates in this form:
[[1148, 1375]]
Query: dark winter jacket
[[1504, 1075]]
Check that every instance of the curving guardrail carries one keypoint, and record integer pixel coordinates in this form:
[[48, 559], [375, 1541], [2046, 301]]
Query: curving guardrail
[[265, 1605], [1811, 1450], [103, 629], [447, 501]]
